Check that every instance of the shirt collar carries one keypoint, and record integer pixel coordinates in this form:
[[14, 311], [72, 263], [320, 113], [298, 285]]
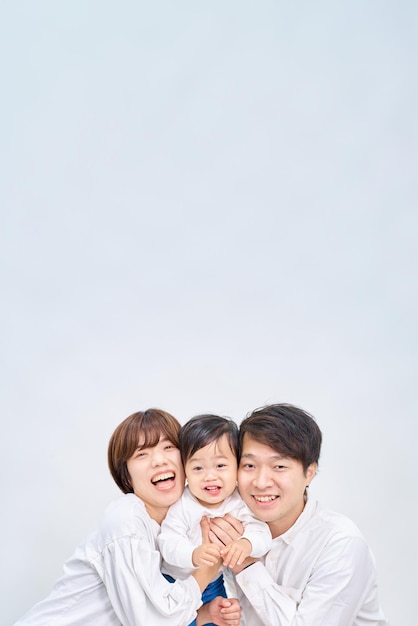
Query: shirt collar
[[303, 519]]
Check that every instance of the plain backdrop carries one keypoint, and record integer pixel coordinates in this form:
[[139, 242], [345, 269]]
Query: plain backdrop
[[206, 206]]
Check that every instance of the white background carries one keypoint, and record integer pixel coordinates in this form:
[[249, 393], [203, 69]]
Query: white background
[[206, 206]]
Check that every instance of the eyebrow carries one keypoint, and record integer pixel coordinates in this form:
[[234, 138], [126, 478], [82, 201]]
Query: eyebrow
[[273, 457]]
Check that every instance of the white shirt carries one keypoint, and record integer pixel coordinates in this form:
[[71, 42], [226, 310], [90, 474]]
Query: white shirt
[[321, 572], [114, 578], [181, 532]]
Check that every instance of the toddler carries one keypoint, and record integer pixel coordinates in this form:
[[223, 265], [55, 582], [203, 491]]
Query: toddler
[[209, 451]]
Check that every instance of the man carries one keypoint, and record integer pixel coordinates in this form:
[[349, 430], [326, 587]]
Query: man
[[320, 570]]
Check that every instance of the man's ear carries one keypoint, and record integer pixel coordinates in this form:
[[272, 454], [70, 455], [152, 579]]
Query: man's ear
[[311, 472]]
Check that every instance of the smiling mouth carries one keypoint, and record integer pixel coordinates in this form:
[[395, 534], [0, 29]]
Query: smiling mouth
[[263, 499], [163, 477], [213, 490]]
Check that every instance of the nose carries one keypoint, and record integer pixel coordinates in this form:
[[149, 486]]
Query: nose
[[210, 474], [262, 478], [158, 458]]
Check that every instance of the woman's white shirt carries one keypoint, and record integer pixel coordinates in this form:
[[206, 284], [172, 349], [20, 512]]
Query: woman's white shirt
[[114, 578]]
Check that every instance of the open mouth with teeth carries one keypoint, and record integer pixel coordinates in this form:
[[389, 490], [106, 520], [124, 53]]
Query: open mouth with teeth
[[213, 490], [265, 499], [163, 480]]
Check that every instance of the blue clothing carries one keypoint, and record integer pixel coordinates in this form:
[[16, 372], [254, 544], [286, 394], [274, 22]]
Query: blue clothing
[[214, 589]]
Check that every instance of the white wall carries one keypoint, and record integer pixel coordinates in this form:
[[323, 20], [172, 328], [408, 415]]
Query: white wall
[[206, 207]]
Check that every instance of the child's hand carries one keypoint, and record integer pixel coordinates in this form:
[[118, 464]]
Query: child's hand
[[206, 554], [235, 553], [221, 611], [225, 611]]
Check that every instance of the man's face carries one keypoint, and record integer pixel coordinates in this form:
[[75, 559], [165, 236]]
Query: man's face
[[271, 485], [157, 477]]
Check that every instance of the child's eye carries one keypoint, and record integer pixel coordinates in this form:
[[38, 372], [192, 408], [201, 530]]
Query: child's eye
[[197, 468], [221, 464]]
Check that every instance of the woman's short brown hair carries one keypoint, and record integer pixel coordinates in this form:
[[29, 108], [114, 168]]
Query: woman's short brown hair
[[146, 426]]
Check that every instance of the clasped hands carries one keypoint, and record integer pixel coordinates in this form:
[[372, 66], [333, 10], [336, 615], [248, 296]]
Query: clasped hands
[[223, 542]]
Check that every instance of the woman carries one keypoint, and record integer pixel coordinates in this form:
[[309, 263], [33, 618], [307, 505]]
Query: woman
[[114, 577]]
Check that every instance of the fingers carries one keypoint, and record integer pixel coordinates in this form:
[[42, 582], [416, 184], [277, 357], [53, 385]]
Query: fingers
[[206, 554], [225, 529], [245, 563], [232, 555], [215, 540], [204, 525], [236, 552], [230, 611], [210, 556], [234, 522]]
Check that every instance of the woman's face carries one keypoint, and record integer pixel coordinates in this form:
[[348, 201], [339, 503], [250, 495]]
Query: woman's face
[[157, 477]]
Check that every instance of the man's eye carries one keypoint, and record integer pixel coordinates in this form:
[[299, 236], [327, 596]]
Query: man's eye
[[247, 466]]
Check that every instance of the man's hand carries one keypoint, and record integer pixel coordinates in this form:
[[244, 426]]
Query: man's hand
[[224, 530], [220, 611]]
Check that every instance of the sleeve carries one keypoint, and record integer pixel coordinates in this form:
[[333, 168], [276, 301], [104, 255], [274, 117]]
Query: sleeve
[[175, 546], [139, 594], [335, 590], [256, 531]]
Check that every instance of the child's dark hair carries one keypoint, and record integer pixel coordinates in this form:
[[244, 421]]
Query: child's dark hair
[[202, 430]]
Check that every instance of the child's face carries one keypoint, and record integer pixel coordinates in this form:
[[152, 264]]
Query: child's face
[[212, 472]]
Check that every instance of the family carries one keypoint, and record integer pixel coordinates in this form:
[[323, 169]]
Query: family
[[242, 543]]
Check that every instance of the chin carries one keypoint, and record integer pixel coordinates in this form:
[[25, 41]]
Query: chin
[[175, 494]]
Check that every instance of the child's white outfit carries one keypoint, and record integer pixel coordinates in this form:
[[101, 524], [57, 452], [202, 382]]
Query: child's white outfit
[[181, 532]]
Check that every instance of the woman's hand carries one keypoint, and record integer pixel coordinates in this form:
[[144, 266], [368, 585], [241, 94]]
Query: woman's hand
[[225, 530], [210, 565]]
